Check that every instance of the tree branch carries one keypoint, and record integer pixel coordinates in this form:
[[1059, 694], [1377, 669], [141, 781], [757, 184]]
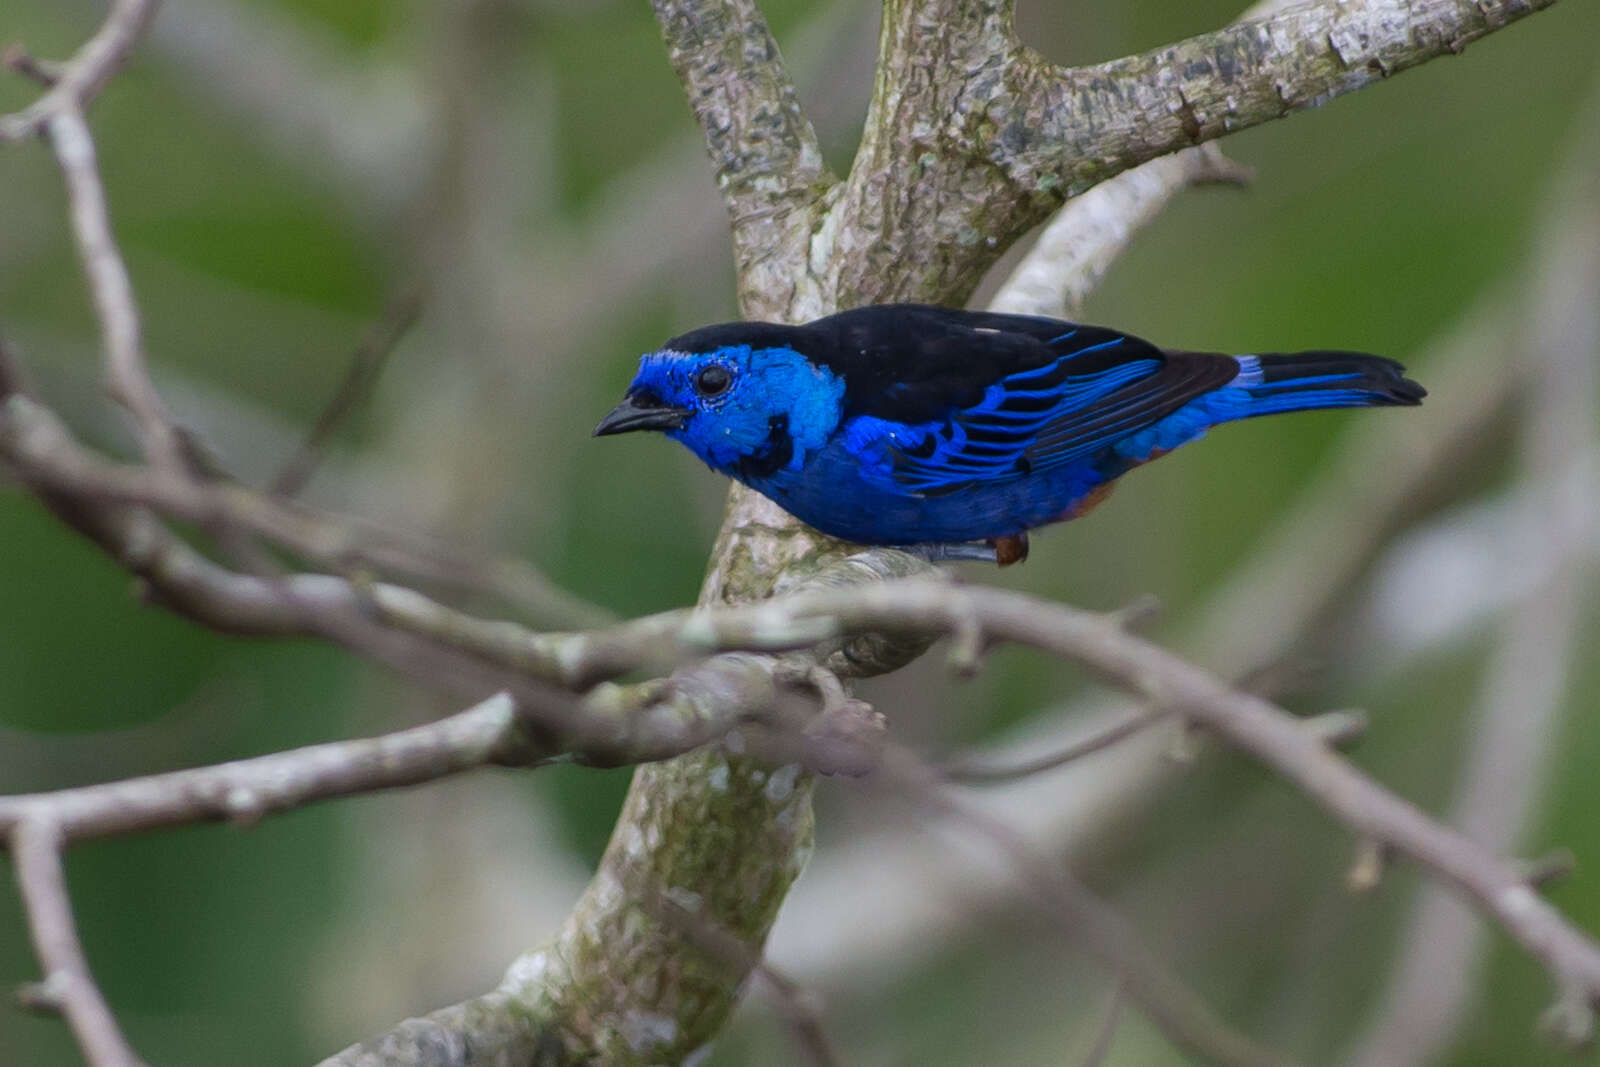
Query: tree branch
[[67, 985], [1496, 886], [360, 378], [1093, 229], [1437, 968], [79, 80], [1180, 1014], [112, 291], [245, 790], [59, 116], [34, 440], [972, 139], [1096, 121], [768, 163], [915, 608]]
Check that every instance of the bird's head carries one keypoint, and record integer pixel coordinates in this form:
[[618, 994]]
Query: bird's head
[[747, 407]]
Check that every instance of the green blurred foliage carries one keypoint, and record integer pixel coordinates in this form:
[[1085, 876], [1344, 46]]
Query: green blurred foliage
[[1374, 223]]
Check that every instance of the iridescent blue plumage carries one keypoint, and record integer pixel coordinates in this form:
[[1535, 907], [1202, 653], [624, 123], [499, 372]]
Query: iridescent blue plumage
[[906, 424]]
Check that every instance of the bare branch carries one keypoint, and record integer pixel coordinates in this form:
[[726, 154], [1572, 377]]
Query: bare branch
[[245, 790], [1093, 229], [1440, 956], [15, 57], [768, 163], [1095, 121], [613, 725], [1292, 747], [79, 80], [1284, 743], [67, 985], [183, 580], [59, 115], [34, 440], [1051, 133], [1248, 723], [359, 380], [111, 289], [976, 769]]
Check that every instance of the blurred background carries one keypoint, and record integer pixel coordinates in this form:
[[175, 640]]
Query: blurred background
[[281, 172]]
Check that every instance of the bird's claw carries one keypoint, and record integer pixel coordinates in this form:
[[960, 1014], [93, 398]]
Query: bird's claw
[[952, 551], [1003, 551]]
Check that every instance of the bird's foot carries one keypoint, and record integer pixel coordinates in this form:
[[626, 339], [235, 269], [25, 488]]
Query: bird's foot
[[952, 551], [1009, 550], [1003, 551]]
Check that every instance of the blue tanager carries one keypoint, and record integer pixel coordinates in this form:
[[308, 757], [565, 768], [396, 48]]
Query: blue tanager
[[957, 432]]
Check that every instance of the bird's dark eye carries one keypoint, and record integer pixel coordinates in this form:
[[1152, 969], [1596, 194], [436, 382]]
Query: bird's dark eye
[[713, 381]]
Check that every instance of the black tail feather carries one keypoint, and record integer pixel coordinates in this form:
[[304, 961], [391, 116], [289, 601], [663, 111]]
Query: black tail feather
[[1384, 379]]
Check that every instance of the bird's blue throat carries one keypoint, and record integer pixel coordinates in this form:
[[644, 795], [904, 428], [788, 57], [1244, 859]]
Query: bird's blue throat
[[779, 408]]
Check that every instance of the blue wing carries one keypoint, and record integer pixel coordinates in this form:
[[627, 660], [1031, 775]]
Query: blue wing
[[1083, 401]]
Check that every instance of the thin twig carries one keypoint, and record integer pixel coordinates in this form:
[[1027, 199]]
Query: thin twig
[[35, 440], [59, 115], [1438, 967], [975, 769], [79, 80], [360, 377], [1279, 740], [1181, 1015], [1106, 1034], [68, 984], [112, 291], [1091, 231], [15, 57]]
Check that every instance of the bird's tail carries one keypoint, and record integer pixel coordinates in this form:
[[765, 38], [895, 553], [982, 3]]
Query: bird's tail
[[1277, 382]]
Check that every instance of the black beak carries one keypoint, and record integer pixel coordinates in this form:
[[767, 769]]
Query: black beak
[[632, 415]]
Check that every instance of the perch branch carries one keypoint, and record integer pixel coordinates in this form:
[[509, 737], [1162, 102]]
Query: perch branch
[[1283, 743], [1287, 745]]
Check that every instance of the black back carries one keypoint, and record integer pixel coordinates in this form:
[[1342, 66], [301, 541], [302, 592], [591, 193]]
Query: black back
[[915, 362]]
